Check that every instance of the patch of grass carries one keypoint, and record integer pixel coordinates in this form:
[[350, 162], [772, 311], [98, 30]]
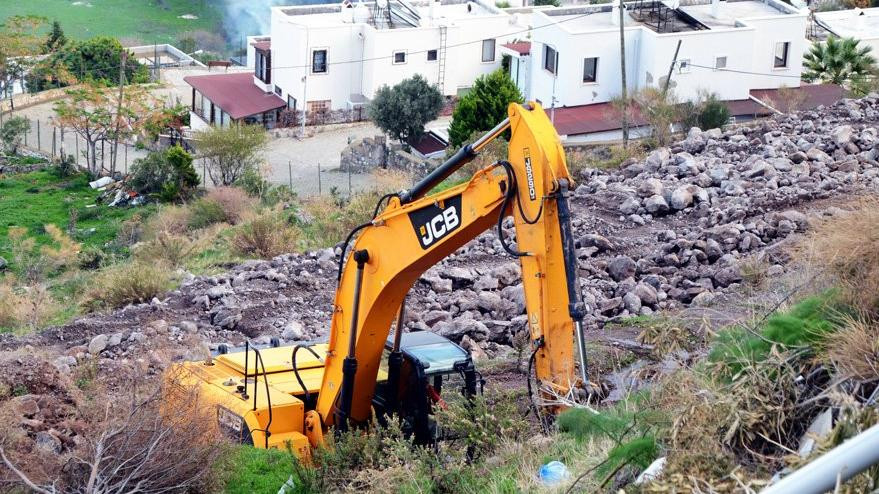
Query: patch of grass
[[256, 471], [146, 21], [128, 283], [52, 204]]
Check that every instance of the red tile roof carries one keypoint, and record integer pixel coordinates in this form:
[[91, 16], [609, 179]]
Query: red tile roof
[[521, 47], [429, 143], [813, 95], [235, 94]]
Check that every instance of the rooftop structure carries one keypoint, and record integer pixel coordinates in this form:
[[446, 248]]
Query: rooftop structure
[[225, 98], [861, 24]]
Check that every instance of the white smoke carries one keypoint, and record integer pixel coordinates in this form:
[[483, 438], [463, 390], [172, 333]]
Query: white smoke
[[253, 17]]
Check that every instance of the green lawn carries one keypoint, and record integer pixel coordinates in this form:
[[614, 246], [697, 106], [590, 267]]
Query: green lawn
[[32, 200], [132, 21]]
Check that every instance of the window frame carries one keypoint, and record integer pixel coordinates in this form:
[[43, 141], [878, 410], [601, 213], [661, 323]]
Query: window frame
[[785, 61], [555, 61], [594, 79], [493, 50], [435, 53], [326, 62], [400, 52]]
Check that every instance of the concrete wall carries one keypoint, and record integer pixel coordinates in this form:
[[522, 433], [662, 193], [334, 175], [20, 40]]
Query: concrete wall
[[748, 48], [294, 38]]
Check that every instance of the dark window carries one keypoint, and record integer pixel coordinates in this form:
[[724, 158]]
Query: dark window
[[550, 58], [278, 90], [488, 46], [590, 69], [781, 51], [262, 67], [319, 61], [431, 55], [291, 102], [399, 57]]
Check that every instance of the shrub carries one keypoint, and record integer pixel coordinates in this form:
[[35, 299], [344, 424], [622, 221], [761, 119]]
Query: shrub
[[485, 422], [854, 349], [266, 236], [12, 133], [231, 151], [169, 174], [169, 219], [234, 202], [167, 248], [127, 283], [25, 307], [714, 114], [204, 213], [483, 107]]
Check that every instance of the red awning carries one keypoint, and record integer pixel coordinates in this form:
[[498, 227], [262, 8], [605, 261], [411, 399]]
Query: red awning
[[262, 45], [429, 143], [235, 94], [520, 47]]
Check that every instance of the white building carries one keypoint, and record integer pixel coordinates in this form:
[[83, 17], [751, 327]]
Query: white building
[[861, 24], [335, 57], [727, 47]]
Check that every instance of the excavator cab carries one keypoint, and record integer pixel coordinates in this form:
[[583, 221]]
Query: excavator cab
[[427, 362]]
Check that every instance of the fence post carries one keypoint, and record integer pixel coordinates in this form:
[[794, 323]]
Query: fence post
[[102, 158], [204, 172], [290, 172], [126, 157], [318, 179], [53, 141], [26, 133], [349, 181], [39, 146]]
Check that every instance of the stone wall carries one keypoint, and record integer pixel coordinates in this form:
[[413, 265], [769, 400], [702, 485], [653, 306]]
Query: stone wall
[[24, 100], [370, 153]]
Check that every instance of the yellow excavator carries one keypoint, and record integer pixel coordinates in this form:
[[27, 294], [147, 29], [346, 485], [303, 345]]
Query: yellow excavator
[[280, 396]]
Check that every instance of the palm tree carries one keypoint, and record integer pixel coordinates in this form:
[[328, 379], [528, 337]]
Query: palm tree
[[838, 61]]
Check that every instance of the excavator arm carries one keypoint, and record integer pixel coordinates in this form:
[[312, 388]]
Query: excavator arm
[[415, 231]]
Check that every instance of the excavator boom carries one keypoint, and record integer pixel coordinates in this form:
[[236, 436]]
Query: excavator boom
[[267, 396]]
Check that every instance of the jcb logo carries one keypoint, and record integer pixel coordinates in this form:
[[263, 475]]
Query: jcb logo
[[434, 222]]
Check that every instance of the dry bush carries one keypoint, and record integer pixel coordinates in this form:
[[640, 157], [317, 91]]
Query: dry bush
[[130, 231], [846, 247], [234, 202], [127, 283], [65, 254], [266, 236], [168, 248], [25, 307], [169, 219], [135, 447], [854, 349]]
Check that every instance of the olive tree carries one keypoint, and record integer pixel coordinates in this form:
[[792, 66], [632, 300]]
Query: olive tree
[[402, 111], [483, 107], [12, 132]]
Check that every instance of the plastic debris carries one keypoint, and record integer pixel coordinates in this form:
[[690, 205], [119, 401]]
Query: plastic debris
[[553, 473], [101, 182], [651, 472]]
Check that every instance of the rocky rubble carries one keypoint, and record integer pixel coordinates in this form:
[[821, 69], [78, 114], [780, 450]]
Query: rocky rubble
[[669, 231]]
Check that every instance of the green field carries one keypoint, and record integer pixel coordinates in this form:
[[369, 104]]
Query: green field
[[132, 21], [32, 200]]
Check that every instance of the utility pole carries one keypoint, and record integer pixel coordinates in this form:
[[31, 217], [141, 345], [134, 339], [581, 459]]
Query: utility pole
[[118, 125], [671, 68], [625, 94]]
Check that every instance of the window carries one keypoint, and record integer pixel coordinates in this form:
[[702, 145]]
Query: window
[[720, 63], [319, 62], [684, 66], [399, 57], [488, 50], [431, 55], [550, 58], [590, 69], [291, 102], [781, 51], [262, 67], [278, 90]]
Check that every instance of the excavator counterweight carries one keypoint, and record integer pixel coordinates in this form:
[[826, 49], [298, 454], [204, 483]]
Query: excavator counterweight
[[271, 396]]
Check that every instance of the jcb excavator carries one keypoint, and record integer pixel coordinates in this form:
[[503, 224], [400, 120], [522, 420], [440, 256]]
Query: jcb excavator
[[280, 395]]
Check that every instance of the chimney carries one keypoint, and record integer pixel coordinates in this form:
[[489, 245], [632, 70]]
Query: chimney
[[715, 8]]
